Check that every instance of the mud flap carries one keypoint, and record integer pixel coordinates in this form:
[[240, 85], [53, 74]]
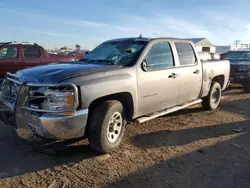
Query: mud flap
[[228, 84]]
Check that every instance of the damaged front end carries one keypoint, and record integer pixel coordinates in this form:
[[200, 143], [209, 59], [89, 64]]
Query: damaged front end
[[40, 111]]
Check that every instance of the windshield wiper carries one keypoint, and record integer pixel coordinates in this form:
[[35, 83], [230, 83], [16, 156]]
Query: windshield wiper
[[103, 60]]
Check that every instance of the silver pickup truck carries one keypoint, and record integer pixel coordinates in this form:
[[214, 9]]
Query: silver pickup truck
[[120, 81]]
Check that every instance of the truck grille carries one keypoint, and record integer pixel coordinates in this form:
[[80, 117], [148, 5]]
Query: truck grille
[[9, 90]]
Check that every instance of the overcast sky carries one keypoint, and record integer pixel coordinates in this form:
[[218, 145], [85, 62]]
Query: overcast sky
[[56, 23]]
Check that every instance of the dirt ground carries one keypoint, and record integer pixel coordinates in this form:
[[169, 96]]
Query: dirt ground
[[191, 148]]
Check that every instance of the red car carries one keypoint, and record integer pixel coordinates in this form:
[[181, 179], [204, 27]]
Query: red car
[[78, 54], [16, 56]]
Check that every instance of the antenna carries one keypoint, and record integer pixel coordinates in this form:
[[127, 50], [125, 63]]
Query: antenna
[[140, 36]]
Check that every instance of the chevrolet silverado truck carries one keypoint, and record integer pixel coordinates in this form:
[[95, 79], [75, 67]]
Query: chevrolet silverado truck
[[240, 67], [16, 56], [120, 81]]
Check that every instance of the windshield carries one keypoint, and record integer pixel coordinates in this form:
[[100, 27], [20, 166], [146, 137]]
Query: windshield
[[238, 56], [116, 53]]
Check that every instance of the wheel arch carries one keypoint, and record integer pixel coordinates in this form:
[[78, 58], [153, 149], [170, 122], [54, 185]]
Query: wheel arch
[[124, 97], [220, 79], [207, 83]]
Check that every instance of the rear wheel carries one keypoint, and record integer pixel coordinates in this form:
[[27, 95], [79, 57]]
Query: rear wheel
[[106, 126], [212, 100]]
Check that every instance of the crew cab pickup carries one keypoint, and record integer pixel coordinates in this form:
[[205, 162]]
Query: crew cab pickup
[[120, 81], [16, 56]]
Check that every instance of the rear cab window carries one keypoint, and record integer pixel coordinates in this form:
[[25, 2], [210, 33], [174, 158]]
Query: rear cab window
[[185, 53], [7, 52], [31, 52]]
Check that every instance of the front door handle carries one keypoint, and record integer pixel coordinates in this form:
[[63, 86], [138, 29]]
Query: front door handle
[[197, 71], [173, 75]]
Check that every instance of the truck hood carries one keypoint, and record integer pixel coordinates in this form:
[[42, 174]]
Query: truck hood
[[55, 73]]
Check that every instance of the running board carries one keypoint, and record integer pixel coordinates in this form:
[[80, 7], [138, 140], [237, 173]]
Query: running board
[[167, 111]]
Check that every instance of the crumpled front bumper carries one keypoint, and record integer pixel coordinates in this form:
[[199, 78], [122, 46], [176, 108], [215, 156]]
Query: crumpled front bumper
[[33, 126], [51, 126]]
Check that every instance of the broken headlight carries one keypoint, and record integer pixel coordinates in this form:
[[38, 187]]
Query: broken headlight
[[58, 100], [53, 99]]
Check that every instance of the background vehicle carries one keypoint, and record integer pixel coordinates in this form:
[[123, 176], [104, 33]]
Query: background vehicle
[[240, 67], [121, 80], [78, 54], [16, 56]]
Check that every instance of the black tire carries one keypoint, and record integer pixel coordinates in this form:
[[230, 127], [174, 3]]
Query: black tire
[[7, 118], [212, 100], [247, 86], [99, 125]]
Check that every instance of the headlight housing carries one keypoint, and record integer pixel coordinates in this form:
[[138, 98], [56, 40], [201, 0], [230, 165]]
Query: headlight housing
[[56, 99]]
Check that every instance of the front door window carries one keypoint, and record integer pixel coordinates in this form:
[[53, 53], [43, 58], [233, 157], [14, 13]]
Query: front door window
[[160, 56]]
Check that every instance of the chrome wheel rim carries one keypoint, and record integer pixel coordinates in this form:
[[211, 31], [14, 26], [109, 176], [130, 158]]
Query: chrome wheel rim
[[114, 127], [215, 95]]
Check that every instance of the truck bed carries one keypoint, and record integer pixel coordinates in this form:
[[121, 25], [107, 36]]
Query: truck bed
[[210, 69]]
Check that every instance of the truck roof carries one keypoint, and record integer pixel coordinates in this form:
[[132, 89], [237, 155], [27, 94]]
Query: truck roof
[[147, 39]]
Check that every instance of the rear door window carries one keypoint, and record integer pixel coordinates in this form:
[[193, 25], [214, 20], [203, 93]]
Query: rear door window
[[31, 52], [8, 52], [185, 53]]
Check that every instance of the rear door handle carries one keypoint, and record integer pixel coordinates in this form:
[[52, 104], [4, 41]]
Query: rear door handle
[[173, 75], [196, 71]]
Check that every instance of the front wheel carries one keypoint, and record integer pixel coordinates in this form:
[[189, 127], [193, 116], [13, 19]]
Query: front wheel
[[106, 126], [212, 100]]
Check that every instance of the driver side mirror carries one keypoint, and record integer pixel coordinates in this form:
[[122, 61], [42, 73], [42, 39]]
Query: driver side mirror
[[144, 65]]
